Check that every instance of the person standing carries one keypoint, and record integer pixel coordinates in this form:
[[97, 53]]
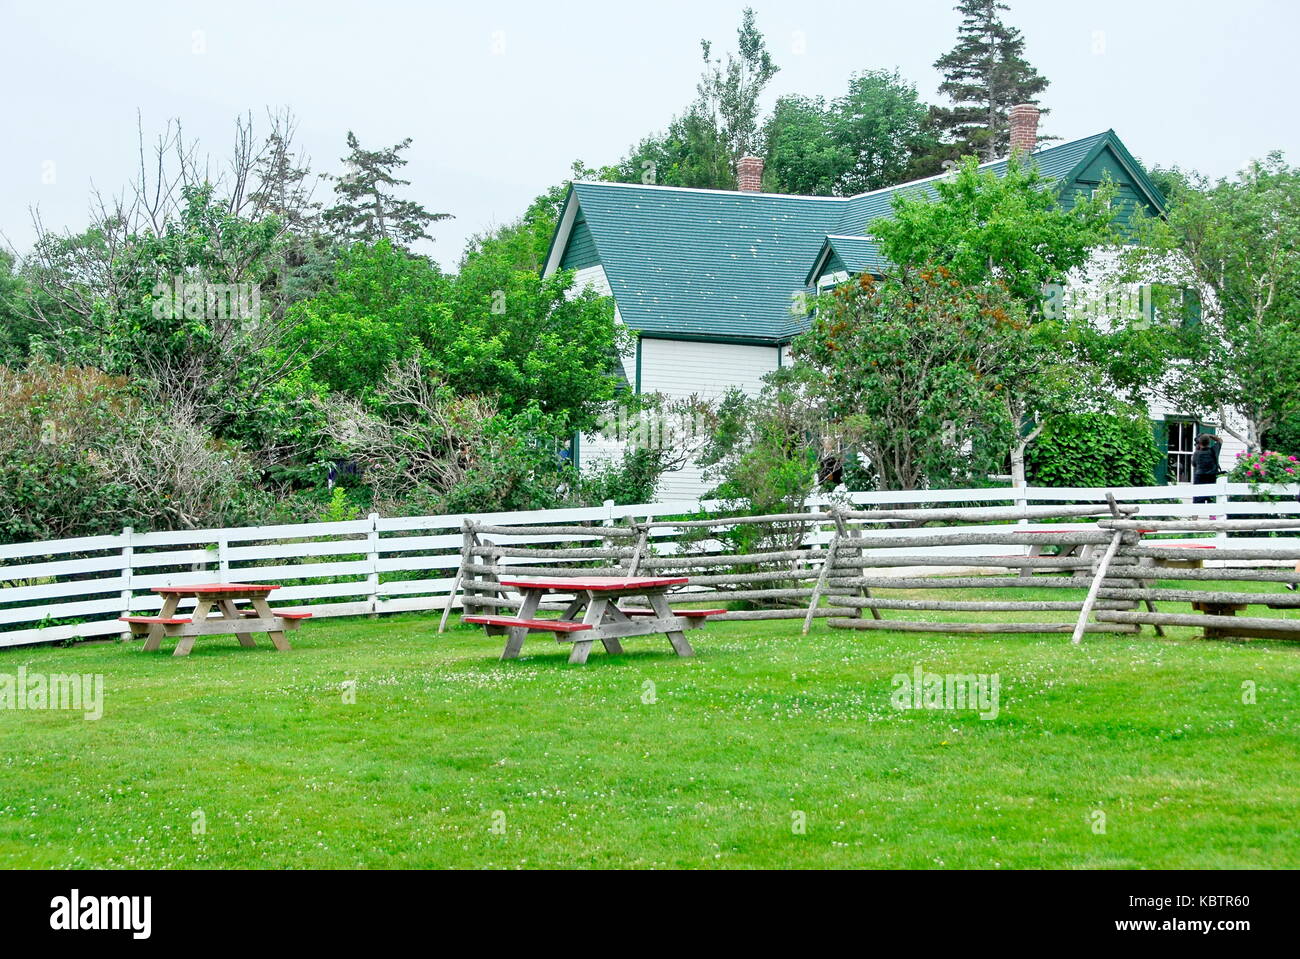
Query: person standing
[[1205, 463]]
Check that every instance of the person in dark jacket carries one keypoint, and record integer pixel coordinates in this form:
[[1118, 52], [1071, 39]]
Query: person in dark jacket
[[1205, 463]]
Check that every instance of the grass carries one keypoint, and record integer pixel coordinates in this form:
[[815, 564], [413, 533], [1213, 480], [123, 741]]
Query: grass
[[574, 767]]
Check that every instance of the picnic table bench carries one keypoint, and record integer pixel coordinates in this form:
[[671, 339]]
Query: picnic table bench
[[603, 620], [1081, 551], [229, 618]]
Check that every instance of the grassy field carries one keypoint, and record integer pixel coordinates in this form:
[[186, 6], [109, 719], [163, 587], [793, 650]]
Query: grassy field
[[449, 757]]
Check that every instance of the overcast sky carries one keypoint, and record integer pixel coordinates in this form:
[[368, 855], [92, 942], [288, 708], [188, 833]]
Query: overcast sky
[[500, 98]]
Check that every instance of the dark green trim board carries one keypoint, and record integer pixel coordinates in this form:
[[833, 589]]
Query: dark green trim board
[[559, 232], [638, 366], [580, 252], [704, 338]]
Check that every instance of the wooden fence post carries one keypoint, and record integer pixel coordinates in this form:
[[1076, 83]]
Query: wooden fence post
[[372, 556], [128, 594], [842, 526], [827, 565], [1221, 498], [1102, 568]]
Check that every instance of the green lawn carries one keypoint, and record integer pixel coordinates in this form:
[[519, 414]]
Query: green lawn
[[762, 730]]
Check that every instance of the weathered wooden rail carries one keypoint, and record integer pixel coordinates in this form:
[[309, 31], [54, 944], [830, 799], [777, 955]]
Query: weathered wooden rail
[[77, 588], [846, 565]]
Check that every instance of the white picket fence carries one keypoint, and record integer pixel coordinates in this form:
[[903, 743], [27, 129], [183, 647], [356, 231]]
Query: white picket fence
[[362, 566]]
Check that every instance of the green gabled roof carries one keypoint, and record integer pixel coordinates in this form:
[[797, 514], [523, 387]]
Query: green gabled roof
[[1058, 163], [705, 263], [721, 264], [856, 254]]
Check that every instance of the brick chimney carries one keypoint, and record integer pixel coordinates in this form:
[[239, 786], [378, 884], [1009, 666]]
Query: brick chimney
[[749, 174], [1024, 128]]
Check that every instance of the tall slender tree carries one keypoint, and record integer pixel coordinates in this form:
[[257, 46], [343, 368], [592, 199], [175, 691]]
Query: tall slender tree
[[701, 146], [367, 209], [985, 75]]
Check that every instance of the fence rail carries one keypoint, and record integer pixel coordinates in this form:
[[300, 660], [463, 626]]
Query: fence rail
[[76, 588]]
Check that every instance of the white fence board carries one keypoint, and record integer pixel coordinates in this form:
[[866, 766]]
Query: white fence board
[[365, 575], [82, 544], [76, 587]]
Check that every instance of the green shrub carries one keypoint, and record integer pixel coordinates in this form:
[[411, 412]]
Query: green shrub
[[1093, 449]]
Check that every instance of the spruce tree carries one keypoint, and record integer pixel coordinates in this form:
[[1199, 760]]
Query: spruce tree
[[367, 209], [985, 75]]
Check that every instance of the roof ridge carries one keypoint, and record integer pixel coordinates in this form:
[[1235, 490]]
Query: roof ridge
[[700, 189], [937, 176]]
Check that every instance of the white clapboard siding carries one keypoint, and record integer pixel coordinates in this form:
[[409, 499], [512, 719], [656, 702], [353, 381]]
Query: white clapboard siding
[[364, 566]]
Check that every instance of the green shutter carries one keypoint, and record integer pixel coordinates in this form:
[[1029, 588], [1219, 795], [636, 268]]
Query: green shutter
[[1162, 441], [1191, 307]]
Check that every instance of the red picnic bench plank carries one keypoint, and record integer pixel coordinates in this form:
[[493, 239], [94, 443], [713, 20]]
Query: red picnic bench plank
[[598, 583], [548, 625], [208, 588], [686, 613]]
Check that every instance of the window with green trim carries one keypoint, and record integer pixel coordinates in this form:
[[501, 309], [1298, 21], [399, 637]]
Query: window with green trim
[[1180, 444]]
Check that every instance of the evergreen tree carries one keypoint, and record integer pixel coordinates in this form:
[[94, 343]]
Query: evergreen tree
[[366, 210], [985, 75]]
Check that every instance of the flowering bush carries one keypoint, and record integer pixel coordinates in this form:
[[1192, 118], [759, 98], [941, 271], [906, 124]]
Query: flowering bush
[[1266, 467]]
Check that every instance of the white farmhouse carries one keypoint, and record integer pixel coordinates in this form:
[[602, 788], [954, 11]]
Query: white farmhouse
[[713, 281]]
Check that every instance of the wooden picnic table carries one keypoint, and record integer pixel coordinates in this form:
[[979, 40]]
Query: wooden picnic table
[[1065, 550], [229, 618], [603, 620]]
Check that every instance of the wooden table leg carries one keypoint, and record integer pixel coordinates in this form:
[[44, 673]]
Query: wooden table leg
[[186, 643], [659, 603], [613, 615], [265, 611], [231, 612], [155, 634], [515, 637], [594, 616]]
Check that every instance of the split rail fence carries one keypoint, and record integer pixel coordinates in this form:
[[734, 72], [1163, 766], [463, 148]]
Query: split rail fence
[[834, 558]]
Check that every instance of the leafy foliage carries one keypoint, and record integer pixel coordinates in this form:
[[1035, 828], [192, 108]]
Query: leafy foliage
[[1094, 449], [867, 139], [81, 454], [917, 369], [1241, 241], [1009, 228], [701, 146]]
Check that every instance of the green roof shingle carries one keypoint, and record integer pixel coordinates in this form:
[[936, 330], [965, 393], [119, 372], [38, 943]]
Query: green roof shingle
[[706, 263]]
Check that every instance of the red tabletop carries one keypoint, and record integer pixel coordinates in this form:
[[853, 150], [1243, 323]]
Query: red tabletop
[[213, 588], [598, 583]]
